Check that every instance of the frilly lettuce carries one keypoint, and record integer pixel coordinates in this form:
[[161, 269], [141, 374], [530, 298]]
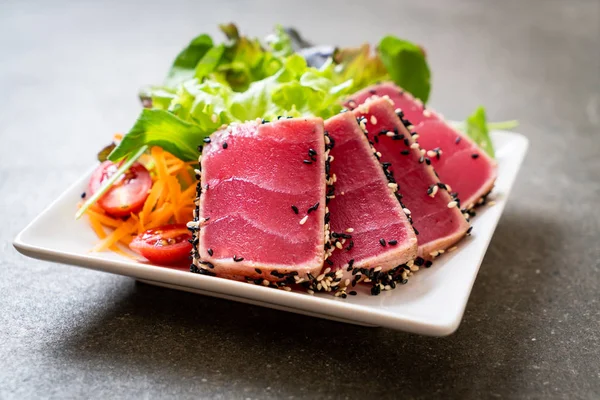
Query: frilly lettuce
[[211, 84]]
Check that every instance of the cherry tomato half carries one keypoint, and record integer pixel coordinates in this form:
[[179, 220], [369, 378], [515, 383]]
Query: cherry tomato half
[[166, 245], [128, 193]]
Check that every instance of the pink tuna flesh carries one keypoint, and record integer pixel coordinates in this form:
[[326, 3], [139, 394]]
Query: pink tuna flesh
[[434, 212], [468, 170], [252, 175], [364, 207]]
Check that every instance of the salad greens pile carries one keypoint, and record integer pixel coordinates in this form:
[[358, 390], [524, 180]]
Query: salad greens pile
[[212, 84]]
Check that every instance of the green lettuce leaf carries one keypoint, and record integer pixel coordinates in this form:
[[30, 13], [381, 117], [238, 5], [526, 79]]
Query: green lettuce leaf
[[184, 66], [280, 42], [406, 65], [476, 127], [161, 128]]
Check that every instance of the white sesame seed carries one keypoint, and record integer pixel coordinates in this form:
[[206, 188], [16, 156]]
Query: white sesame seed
[[319, 286], [387, 287], [390, 134], [320, 277], [339, 245], [415, 145], [265, 282], [378, 154], [448, 187], [367, 280], [431, 153], [434, 254], [377, 269], [347, 282], [350, 230], [441, 251], [452, 204], [327, 270], [451, 249], [339, 273], [397, 110], [427, 113], [491, 203], [303, 220], [406, 211], [338, 294], [193, 224], [330, 158], [415, 136], [410, 127], [310, 291], [422, 152], [197, 172], [410, 263], [414, 268], [373, 119], [393, 186], [287, 288]]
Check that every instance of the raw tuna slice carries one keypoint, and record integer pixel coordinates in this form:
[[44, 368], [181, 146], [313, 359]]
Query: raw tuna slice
[[367, 223], [262, 202], [435, 213], [460, 163]]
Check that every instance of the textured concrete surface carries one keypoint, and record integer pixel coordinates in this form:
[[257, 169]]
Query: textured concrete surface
[[69, 72]]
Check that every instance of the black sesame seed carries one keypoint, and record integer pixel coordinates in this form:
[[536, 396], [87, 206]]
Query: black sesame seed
[[258, 271], [382, 242], [352, 293], [295, 209], [405, 152], [237, 259], [224, 145], [307, 161], [83, 195], [393, 242], [416, 231], [200, 148], [469, 230], [428, 264], [312, 152], [376, 139], [210, 252], [407, 142], [427, 161], [458, 139], [350, 246], [372, 91], [328, 261], [474, 155], [313, 208], [206, 140], [419, 261], [264, 121]]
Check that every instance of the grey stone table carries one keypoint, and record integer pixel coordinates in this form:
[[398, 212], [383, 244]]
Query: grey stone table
[[69, 74]]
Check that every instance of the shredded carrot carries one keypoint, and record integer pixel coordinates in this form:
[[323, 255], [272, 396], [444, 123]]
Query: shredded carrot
[[116, 235], [97, 227], [170, 200]]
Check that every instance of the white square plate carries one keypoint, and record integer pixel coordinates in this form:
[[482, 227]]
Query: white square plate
[[431, 303]]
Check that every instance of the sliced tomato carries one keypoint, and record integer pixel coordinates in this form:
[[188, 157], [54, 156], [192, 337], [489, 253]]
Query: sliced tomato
[[127, 194], [166, 245]]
